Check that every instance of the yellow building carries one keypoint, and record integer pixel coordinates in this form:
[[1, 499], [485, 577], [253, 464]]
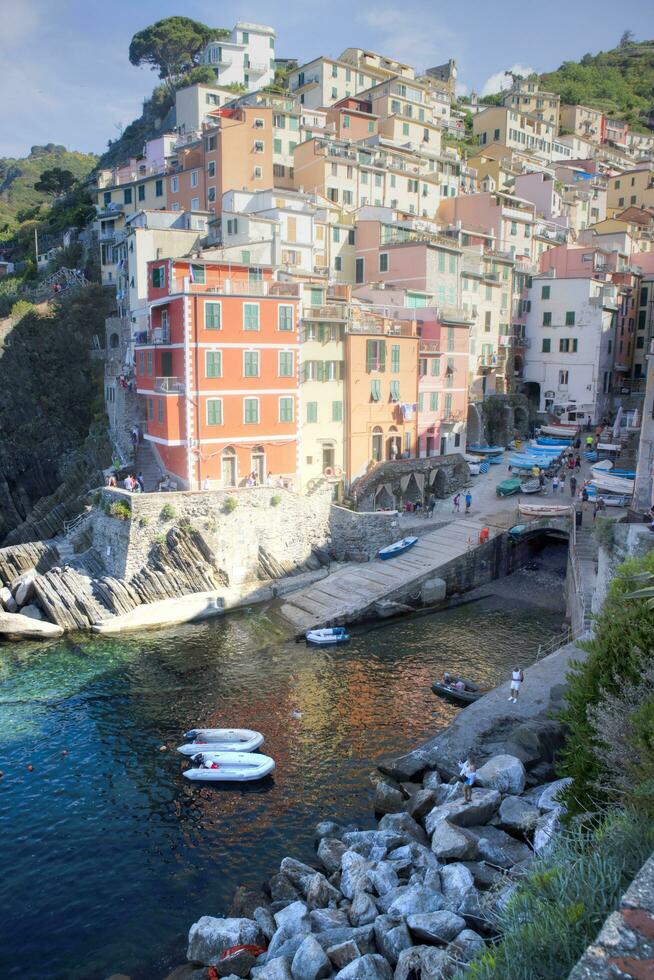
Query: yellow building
[[632, 187], [526, 97], [581, 120], [515, 129]]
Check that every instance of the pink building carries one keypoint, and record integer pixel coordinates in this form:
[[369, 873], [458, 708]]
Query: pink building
[[581, 261], [510, 219], [614, 131]]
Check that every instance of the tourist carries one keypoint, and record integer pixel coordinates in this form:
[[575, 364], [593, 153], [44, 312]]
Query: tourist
[[573, 485], [584, 496], [111, 482], [269, 479], [469, 774], [577, 443], [535, 470], [562, 481], [139, 480], [589, 443], [447, 680], [555, 484], [468, 502], [127, 482], [456, 503], [205, 483], [571, 461], [541, 480], [577, 462], [432, 506], [595, 507], [417, 507], [517, 677], [250, 481]]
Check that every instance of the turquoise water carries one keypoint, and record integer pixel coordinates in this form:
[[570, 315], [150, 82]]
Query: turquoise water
[[109, 854]]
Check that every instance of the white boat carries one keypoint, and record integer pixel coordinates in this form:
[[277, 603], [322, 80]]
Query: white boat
[[564, 431], [229, 767], [327, 637], [531, 486], [474, 468], [398, 548], [544, 510], [221, 740]]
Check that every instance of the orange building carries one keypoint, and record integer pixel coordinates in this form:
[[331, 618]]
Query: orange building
[[235, 155], [381, 393], [219, 372]]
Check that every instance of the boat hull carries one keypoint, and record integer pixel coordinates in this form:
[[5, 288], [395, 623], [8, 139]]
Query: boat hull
[[327, 637], [460, 697], [212, 745], [398, 548], [232, 767]]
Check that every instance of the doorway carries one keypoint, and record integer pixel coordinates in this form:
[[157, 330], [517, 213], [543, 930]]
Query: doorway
[[228, 467]]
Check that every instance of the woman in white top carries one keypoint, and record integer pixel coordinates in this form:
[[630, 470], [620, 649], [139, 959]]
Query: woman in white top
[[517, 678]]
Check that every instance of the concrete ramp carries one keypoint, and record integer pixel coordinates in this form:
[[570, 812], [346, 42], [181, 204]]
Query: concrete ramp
[[347, 594]]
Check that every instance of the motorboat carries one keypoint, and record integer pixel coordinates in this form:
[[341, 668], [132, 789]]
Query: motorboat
[[471, 692], [229, 767], [327, 637], [530, 486], [507, 487], [397, 548], [222, 740]]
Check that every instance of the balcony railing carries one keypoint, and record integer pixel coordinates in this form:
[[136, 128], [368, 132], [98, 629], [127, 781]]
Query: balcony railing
[[170, 386], [256, 68], [336, 311], [237, 287], [487, 361]]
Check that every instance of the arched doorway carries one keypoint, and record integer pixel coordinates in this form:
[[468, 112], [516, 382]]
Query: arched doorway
[[384, 499], [439, 483], [258, 464], [228, 467], [377, 444], [114, 340], [518, 365], [393, 444]]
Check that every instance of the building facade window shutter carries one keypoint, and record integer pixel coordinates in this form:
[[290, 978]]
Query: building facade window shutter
[[320, 370], [371, 355], [382, 355], [375, 390], [337, 411], [395, 358]]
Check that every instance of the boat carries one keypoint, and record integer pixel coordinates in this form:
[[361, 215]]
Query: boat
[[562, 433], [486, 450], [397, 548], [327, 637], [475, 468], [222, 740], [518, 530], [506, 487], [544, 510], [551, 442], [229, 767], [530, 486], [471, 693], [613, 484], [469, 458], [495, 460]]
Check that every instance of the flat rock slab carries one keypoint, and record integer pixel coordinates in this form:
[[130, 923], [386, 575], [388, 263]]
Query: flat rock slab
[[14, 626]]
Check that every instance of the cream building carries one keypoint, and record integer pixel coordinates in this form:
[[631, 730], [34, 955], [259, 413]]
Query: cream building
[[246, 57], [581, 120], [516, 130], [632, 187], [526, 97]]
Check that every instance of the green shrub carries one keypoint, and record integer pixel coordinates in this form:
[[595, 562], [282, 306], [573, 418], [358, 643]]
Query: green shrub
[[617, 655], [604, 531], [144, 521], [231, 504], [275, 500], [168, 512], [120, 509], [21, 308], [96, 498], [211, 526], [160, 539], [558, 908]]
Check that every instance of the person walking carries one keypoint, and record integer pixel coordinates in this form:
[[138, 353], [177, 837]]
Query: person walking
[[431, 506], [573, 486], [584, 497], [468, 502], [517, 677], [456, 503], [555, 484], [595, 508], [469, 773], [562, 481], [577, 462], [589, 443], [139, 480], [541, 480]]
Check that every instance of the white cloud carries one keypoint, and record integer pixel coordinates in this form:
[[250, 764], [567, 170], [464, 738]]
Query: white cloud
[[501, 80], [397, 36]]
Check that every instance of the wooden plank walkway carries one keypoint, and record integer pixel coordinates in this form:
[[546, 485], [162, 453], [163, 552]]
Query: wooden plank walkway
[[345, 594]]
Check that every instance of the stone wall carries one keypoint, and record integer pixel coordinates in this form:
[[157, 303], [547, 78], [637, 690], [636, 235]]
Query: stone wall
[[358, 536], [395, 482]]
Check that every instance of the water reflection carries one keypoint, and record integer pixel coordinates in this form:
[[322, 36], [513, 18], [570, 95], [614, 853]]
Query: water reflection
[[109, 854]]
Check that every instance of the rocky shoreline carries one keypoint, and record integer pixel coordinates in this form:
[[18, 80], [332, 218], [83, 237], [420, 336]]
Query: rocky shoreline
[[418, 892]]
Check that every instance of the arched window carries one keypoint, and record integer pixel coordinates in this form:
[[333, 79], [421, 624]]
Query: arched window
[[114, 340], [228, 467], [258, 464], [393, 444], [377, 444]]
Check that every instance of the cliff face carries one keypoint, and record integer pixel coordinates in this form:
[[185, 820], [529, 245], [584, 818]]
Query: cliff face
[[50, 399]]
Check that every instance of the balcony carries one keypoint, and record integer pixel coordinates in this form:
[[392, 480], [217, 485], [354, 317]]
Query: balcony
[[486, 362], [335, 311], [256, 68], [430, 346], [521, 341], [169, 386], [237, 287], [159, 335]]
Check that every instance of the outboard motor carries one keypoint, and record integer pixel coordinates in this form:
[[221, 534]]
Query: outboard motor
[[192, 734]]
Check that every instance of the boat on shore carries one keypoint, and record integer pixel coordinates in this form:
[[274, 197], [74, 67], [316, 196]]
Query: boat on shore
[[229, 767], [530, 486], [486, 450], [397, 548], [330, 636], [472, 692], [563, 432], [544, 510], [507, 487]]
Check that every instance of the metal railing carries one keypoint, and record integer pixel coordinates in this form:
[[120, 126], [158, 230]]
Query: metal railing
[[74, 523], [336, 311], [168, 386]]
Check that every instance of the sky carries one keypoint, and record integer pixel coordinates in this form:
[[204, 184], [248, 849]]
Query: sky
[[66, 77]]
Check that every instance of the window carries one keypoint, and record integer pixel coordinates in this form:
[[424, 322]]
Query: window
[[359, 270], [160, 409], [245, 37], [285, 364], [277, 146], [127, 194], [621, 202], [211, 168], [250, 411], [158, 188], [435, 367], [395, 358], [197, 274], [285, 409], [563, 379], [338, 264], [421, 401], [141, 192], [334, 71], [151, 409], [334, 93], [337, 411], [312, 411], [214, 364], [395, 391], [383, 261], [214, 411], [375, 355], [210, 141], [570, 318], [547, 318], [174, 184], [514, 227], [212, 316], [284, 317], [450, 338], [250, 364], [547, 346], [640, 342], [487, 321], [642, 319], [211, 195], [346, 122], [250, 316], [433, 401], [107, 197], [375, 390], [545, 292], [195, 204], [405, 129], [158, 277]]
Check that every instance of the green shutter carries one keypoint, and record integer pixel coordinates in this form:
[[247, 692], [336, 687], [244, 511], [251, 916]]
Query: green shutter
[[214, 411], [337, 411], [395, 358], [371, 355], [375, 390], [382, 360], [435, 366], [421, 402], [214, 364], [395, 391], [212, 316], [320, 370], [448, 406]]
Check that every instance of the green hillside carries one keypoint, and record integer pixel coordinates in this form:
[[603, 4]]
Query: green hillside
[[620, 82], [18, 176]]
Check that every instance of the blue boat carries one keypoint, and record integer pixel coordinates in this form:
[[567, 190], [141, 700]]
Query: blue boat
[[562, 441], [397, 548], [327, 637]]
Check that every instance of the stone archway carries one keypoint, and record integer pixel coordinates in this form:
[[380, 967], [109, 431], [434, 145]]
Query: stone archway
[[438, 483], [384, 499], [474, 428]]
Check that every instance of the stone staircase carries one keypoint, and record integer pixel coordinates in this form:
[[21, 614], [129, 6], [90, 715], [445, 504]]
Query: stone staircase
[[147, 463], [586, 551]]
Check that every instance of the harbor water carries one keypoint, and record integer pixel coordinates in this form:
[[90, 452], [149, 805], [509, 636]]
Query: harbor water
[[109, 855]]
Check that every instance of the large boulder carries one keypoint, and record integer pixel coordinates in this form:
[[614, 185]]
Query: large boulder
[[5, 596], [330, 852], [319, 893], [431, 779], [402, 823], [282, 889], [388, 799], [456, 882], [264, 919], [245, 901], [516, 815], [293, 924], [236, 964], [354, 874], [427, 962], [34, 612], [407, 767], [545, 832], [505, 773], [419, 805], [548, 799], [369, 967], [209, 937], [384, 877], [278, 968], [414, 900], [323, 919], [363, 910], [295, 871], [485, 875], [343, 953], [435, 927], [363, 936], [295, 916], [451, 843], [310, 961], [22, 588], [498, 847], [328, 828], [374, 843], [465, 946], [391, 936]]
